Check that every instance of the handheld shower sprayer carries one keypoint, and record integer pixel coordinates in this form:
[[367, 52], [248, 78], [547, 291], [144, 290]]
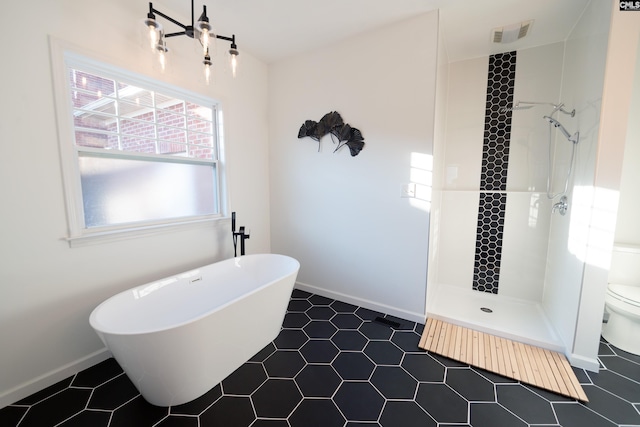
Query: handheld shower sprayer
[[573, 138]]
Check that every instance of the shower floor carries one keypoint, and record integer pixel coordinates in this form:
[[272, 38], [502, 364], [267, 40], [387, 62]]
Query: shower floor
[[511, 318]]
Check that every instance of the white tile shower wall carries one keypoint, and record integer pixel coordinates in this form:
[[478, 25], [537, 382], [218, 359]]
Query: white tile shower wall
[[524, 245], [457, 237], [465, 124], [538, 76]]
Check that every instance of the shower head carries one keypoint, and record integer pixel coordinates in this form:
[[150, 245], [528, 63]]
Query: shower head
[[573, 138], [529, 104], [515, 107]]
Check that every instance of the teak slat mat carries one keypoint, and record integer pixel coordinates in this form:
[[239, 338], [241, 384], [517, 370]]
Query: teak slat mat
[[531, 365]]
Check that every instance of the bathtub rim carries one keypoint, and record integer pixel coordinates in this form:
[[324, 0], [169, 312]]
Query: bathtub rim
[[105, 331]]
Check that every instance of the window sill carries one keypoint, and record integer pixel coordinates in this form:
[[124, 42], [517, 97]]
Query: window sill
[[97, 237]]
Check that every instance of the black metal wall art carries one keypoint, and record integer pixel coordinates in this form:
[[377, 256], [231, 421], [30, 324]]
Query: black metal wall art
[[333, 125]]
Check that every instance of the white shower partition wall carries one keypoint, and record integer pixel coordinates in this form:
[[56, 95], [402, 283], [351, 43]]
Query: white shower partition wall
[[491, 217]]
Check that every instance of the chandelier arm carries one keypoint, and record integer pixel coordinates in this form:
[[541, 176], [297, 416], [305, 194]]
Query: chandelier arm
[[181, 33], [170, 19]]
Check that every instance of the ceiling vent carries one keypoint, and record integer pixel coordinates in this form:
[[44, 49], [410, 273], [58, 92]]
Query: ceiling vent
[[511, 33]]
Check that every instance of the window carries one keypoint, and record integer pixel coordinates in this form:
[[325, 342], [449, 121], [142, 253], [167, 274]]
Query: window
[[137, 155]]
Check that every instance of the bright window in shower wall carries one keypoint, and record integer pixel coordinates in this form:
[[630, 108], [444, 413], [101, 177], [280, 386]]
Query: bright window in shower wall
[[140, 156]]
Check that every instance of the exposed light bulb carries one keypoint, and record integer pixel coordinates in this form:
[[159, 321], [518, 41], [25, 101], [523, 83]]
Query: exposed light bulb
[[233, 53], [207, 68], [162, 59], [204, 39], [234, 65], [153, 36], [154, 29], [161, 48]]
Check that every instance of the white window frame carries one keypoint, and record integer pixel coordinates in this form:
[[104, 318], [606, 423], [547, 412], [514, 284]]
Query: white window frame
[[65, 57]]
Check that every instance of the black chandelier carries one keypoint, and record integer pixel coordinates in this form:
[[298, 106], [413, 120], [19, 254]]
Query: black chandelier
[[200, 30]]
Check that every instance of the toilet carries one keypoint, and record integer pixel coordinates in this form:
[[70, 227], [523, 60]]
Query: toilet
[[622, 302]]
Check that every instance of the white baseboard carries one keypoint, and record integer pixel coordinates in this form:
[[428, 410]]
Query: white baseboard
[[371, 305], [50, 378], [584, 362]]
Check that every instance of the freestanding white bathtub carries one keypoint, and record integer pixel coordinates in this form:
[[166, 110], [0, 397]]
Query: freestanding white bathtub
[[178, 337]]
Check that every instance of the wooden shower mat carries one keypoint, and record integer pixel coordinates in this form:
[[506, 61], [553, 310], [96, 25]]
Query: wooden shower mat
[[531, 365]]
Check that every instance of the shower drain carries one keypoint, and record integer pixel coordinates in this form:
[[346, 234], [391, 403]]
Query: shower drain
[[486, 309]]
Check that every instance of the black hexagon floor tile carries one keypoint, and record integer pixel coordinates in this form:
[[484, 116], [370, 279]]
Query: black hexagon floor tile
[[298, 305], [383, 352], [321, 313], [525, 404], [406, 340], [177, 421], [346, 321], [319, 351], [316, 413], [320, 329], [349, 340], [320, 300], [423, 367], [295, 320], [245, 380], [400, 413], [359, 401], [366, 314], [290, 339], [442, 403], [375, 331], [284, 364], [617, 384], [57, 408], [229, 411], [276, 398], [353, 365], [137, 412], [372, 370], [97, 374], [270, 423], [91, 418], [471, 385], [318, 381], [46, 392], [611, 406], [112, 394], [343, 307], [197, 406], [394, 382], [576, 415], [492, 415], [267, 351]]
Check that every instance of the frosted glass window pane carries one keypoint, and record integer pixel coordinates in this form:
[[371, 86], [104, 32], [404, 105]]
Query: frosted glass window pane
[[118, 191]]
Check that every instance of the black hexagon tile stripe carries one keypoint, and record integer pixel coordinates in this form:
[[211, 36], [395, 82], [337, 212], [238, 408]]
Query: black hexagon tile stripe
[[493, 175]]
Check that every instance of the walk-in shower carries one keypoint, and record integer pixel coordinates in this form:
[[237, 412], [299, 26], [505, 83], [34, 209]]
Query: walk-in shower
[[494, 240], [491, 227]]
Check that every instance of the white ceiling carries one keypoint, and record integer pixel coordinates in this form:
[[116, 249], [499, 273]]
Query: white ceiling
[[276, 29]]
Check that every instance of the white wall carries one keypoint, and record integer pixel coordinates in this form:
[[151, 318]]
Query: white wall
[[342, 217], [48, 289], [627, 229], [566, 295]]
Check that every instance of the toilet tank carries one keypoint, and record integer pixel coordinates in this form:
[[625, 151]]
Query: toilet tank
[[625, 265]]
